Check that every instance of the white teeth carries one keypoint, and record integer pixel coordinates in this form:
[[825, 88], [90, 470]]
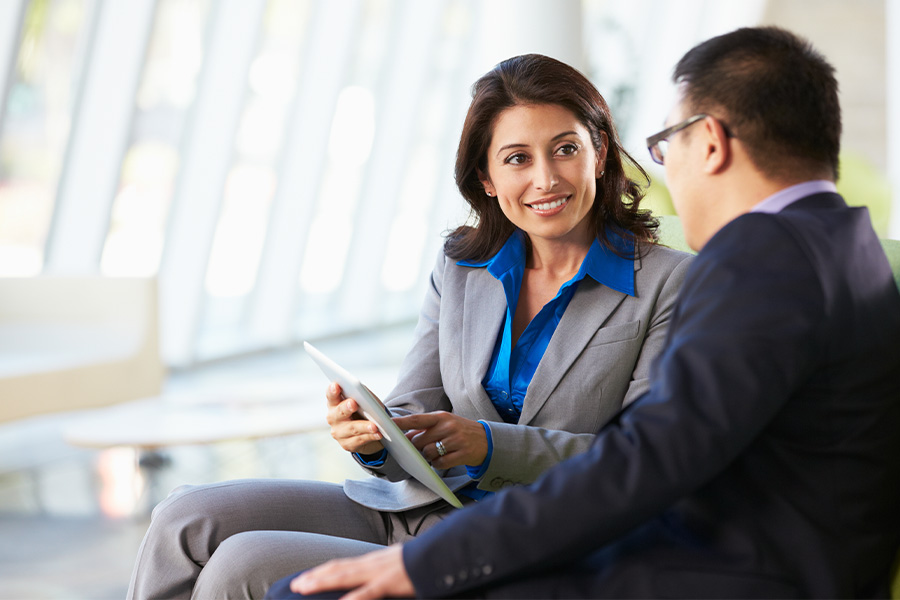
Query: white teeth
[[550, 205]]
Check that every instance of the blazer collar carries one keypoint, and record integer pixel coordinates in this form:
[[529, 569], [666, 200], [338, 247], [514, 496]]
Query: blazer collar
[[825, 200], [590, 308], [484, 312]]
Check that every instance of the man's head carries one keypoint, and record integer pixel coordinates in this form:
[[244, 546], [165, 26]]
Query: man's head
[[776, 94], [757, 112]]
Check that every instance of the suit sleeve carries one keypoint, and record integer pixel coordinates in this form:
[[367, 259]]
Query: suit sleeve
[[419, 386], [545, 448], [744, 335]]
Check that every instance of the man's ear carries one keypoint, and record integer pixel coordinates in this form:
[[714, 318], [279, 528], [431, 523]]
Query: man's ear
[[486, 182], [718, 149]]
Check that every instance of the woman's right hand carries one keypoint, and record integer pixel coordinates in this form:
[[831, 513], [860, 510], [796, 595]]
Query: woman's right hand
[[348, 428]]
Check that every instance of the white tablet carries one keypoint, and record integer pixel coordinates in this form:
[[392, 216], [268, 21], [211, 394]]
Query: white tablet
[[396, 443]]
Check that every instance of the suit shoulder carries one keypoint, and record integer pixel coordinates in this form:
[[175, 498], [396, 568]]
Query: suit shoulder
[[756, 252], [749, 234]]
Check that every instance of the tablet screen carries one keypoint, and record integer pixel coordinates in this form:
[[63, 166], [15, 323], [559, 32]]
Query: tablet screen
[[394, 441]]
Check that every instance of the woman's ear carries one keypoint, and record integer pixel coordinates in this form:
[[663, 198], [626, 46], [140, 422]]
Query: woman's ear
[[601, 156], [486, 182]]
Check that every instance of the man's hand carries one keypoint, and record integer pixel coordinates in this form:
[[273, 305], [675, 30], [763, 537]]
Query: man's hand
[[379, 574]]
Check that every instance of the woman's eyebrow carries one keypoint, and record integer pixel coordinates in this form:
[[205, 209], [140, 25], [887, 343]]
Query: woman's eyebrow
[[510, 146], [520, 145]]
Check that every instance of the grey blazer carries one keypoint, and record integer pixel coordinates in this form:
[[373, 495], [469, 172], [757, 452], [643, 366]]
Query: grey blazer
[[598, 360]]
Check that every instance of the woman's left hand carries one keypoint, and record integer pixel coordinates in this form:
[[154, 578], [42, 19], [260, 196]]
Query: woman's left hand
[[464, 440]]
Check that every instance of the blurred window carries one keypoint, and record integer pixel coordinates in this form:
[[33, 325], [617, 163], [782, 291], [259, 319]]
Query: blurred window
[[353, 130], [252, 179], [136, 234], [35, 127]]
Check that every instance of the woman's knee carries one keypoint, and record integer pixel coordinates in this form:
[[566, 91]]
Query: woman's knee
[[186, 520], [244, 566]]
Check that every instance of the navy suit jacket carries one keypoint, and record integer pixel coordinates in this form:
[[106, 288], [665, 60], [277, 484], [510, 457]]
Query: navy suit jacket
[[763, 462]]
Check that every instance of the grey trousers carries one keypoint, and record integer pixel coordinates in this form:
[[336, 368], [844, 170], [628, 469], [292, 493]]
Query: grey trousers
[[234, 539]]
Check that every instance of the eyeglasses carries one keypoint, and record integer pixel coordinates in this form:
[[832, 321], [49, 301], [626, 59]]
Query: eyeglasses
[[657, 144]]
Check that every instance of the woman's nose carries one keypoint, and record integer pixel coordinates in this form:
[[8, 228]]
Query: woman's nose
[[545, 178]]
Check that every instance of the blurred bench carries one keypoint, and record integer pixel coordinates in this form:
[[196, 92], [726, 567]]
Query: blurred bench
[[69, 343]]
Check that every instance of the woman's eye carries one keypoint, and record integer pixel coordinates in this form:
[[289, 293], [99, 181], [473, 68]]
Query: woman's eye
[[567, 149], [516, 159]]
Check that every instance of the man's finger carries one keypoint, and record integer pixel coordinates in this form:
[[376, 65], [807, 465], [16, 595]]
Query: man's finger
[[370, 591], [332, 575]]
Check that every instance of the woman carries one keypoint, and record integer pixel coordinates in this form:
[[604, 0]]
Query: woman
[[541, 321]]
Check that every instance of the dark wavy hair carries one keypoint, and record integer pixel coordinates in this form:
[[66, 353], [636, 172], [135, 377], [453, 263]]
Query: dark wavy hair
[[533, 79]]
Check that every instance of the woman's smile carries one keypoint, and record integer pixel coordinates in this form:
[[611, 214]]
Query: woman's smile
[[549, 207]]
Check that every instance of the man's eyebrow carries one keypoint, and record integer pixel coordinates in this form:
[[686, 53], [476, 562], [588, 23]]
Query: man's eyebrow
[[520, 145]]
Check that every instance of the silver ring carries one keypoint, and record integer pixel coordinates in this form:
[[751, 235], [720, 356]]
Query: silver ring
[[440, 448]]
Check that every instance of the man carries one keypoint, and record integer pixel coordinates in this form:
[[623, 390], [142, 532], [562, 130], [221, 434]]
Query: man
[[765, 460]]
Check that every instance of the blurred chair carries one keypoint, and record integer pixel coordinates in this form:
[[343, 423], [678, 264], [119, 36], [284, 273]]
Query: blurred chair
[[895, 587], [892, 249], [671, 234], [69, 343]]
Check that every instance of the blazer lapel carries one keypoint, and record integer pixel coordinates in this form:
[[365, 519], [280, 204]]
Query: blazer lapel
[[589, 309], [485, 311]]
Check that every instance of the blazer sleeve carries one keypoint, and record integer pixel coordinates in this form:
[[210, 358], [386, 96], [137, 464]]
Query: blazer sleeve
[[522, 452], [746, 334], [419, 386]]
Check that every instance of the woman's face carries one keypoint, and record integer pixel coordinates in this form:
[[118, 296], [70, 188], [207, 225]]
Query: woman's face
[[542, 169]]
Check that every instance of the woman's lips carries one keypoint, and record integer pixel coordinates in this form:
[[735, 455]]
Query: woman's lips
[[549, 207]]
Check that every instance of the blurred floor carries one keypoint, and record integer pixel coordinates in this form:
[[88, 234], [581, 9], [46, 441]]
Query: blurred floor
[[71, 519]]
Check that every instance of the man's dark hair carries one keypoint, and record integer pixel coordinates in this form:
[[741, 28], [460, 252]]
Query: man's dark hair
[[773, 92]]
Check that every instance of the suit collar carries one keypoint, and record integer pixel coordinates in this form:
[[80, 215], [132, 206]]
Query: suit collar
[[784, 198], [826, 200]]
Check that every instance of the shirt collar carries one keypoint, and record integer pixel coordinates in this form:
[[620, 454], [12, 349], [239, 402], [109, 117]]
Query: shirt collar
[[602, 264], [781, 199]]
